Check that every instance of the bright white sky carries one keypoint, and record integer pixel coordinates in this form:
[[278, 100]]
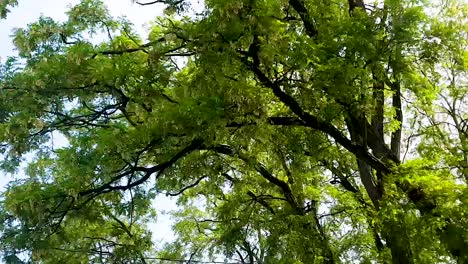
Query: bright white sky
[[29, 11]]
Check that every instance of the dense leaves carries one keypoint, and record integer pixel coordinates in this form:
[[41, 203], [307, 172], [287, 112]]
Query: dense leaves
[[295, 131]]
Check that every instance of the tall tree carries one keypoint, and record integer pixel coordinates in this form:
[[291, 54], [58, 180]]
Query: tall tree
[[285, 128]]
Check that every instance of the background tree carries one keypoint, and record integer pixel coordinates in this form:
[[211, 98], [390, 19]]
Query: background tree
[[283, 127]]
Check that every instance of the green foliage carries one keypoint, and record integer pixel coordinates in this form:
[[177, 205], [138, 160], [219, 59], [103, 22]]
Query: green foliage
[[285, 128], [5, 5]]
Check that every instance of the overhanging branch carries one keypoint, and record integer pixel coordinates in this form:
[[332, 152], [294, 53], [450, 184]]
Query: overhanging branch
[[160, 168]]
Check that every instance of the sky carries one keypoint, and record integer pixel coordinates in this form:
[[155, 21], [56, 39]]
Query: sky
[[28, 11]]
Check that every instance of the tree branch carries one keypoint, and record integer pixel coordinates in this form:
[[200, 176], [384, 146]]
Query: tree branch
[[312, 121], [343, 180], [260, 168], [187, 187], [160, 2], [160, 168], [309, 24], [129, 50], [261, 201], [396, 135], [152, 3]]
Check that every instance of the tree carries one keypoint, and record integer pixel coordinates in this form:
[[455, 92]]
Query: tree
[[279, 125], [4, 5]]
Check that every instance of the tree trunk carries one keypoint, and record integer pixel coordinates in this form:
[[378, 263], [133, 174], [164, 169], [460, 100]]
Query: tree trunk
[[372, 135], [398, 241]]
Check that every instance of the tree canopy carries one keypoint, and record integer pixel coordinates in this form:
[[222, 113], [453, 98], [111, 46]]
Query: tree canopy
[[290, 131]]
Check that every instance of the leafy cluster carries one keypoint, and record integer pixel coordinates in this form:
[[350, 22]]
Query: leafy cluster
[[297, 131]]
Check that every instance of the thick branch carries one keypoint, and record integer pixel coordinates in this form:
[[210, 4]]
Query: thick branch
[[396, 136], [356, 3], [378, 120], [313, 122], [368, 180], [309, 24]]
